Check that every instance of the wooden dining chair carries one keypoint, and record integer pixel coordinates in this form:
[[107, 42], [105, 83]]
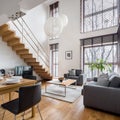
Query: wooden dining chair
[[28, 97]]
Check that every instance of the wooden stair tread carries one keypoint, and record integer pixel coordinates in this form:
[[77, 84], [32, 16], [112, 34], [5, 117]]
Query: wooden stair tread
[[13, 41], [26, 55], [22, 52], [30, 60], [40, 69], [3, 28], [8, 38], [8, 32], [33, 63], [19, 47], [4, 25]]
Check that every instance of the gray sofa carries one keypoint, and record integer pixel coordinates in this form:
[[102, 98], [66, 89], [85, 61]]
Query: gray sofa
[[106, 98], [75, 74]]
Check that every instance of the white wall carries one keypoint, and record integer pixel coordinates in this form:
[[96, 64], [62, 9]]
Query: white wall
[[99, 32], [8, 58], [69, 39], [70, 36], [36, 18]]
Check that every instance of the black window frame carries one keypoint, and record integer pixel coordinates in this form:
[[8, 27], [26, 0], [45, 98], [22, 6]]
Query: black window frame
[[91, 44], [54, 48], [83, 16]]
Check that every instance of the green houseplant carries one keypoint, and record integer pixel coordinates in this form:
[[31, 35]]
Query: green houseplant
[[100, 65]]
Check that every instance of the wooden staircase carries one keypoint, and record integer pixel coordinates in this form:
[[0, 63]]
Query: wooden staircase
[[14, 41]]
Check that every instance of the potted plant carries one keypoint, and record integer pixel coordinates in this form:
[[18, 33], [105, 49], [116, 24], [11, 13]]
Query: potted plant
[[100, 65]]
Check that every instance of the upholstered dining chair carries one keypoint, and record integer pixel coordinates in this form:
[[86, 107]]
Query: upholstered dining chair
[[30, 77], [2, 72], [28, 97]]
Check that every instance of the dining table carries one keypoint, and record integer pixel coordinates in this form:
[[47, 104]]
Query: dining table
[[11, 87]]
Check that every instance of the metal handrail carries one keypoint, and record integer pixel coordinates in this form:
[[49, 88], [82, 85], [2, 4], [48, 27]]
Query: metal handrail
[[32, 40], [29, 43], [34, 36]]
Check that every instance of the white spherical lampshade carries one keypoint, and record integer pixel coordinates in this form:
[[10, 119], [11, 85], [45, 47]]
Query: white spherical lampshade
[[64, 19], [53, 27]]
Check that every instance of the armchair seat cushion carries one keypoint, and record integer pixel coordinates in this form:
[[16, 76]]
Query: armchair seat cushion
[[78, 72], [72, 72], [115, 82], [75, 74], [73, 77]]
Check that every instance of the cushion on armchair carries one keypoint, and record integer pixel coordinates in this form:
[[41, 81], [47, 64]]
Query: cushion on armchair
[[75, 74], [66, 75], [72, 72], [115, 82], [78, 72]]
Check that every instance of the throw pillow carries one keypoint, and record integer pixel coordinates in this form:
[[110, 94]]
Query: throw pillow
[[112, 75], [78, 72], [72, 72], [103, 80], [115, 82]]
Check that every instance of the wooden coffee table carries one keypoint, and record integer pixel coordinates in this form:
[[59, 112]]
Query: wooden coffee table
[[64, 84]]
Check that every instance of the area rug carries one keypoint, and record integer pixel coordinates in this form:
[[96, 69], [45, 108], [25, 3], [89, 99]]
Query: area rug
[[71, 94]]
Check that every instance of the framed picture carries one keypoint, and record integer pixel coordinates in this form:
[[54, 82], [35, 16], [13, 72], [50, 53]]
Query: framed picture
[[68, 55]]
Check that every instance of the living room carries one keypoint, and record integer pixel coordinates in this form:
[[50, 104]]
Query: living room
[[72, 48]]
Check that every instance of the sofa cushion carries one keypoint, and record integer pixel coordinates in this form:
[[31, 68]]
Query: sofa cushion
[[72, 72], [103, 80], [115, 82], [113, 74], [78, 72]]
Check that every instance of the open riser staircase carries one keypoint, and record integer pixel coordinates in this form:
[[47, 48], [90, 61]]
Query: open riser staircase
[[12, 40]]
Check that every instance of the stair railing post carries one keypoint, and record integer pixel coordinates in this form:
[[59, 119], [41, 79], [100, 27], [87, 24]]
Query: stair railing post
[[22, 32]]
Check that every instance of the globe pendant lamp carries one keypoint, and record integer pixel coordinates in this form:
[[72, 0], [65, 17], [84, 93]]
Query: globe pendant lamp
[[53, 27], [64, 19]]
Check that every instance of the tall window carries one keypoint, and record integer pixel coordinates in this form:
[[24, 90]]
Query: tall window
[[99, 14], [54, 9], [104, 48], [54, 60], [53, 12]]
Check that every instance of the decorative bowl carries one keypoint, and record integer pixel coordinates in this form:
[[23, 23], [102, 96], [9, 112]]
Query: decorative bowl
[[61, 79]]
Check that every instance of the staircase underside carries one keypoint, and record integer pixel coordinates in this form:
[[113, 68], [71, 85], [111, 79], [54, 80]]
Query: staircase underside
[[14, 42]]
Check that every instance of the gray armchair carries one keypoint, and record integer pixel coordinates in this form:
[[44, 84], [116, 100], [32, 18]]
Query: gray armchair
[[75, 74]]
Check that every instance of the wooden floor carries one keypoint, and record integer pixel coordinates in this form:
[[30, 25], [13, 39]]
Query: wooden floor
[[52, 109]]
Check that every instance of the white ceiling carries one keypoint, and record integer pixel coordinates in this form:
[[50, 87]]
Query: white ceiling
[[9, 7]]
